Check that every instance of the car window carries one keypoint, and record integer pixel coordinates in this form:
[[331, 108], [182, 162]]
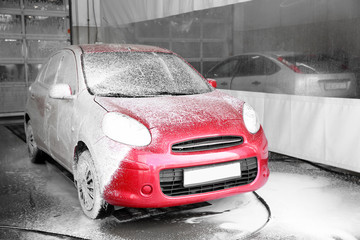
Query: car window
[[225, 69], [270, 67], [40, 76], [67, 71], [52, 69], [252, 65]]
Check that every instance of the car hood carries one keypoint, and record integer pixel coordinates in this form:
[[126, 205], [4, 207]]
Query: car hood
[[211, 109]]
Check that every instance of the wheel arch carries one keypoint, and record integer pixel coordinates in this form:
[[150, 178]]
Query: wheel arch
[[79, 148]]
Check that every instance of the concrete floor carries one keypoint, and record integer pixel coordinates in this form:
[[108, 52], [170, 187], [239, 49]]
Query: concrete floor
[[39, 201]]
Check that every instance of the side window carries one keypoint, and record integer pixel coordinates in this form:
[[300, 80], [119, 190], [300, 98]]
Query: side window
[[52, 69], [271, 67], [253, 65], [226, 69], [67, 71], [40, 76]]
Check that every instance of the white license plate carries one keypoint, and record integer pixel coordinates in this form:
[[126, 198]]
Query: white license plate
[[210, 174], [335, 85]]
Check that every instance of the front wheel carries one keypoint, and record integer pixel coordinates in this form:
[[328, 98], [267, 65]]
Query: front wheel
[[35, 153], [88, 187]]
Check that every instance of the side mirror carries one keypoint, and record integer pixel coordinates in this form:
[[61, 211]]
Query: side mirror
[[61, 91], [212, 82]]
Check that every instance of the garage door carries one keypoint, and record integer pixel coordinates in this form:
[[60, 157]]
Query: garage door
[[29, 31]]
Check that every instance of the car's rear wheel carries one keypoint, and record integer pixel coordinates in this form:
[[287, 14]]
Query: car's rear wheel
[[35, 153], [88, 187]]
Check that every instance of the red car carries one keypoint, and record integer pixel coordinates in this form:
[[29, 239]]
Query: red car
[[139, 127]]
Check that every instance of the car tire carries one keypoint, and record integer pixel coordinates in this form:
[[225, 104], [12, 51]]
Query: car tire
[[88, 188], [35, 154]]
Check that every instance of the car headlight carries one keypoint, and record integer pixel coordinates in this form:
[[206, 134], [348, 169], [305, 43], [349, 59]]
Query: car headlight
[[251, 119], [125, 129]]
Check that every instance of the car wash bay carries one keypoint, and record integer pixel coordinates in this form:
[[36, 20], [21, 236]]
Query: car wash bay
[[300, 201]]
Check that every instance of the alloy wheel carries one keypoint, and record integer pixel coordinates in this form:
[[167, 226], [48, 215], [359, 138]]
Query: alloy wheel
[[86, 188]]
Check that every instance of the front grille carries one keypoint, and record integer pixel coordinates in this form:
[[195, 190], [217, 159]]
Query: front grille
[[171, 180], [204, 144]]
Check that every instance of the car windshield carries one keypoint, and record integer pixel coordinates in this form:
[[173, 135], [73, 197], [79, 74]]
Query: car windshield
[[316, 63], [140, 74]]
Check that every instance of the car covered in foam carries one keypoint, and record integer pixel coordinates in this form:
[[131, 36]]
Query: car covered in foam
[[138, 127]]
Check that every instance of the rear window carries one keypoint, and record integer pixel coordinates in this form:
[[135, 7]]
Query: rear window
[[311, 64]]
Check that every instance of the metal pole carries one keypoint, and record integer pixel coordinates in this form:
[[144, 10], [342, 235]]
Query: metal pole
[[88, 21]]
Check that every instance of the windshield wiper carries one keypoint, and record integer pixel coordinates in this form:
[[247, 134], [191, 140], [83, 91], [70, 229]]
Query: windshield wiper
[[120, 95], [117, 95], [172, 93]]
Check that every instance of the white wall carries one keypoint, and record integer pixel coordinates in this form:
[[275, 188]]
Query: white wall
[[318, 129]]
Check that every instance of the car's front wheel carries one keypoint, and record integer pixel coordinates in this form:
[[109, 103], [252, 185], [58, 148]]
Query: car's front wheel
[[35, 153], [88, 187]]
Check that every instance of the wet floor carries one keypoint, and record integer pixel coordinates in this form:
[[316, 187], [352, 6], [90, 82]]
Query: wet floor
[[39, 201]]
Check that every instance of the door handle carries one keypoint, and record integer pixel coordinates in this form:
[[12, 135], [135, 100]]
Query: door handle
[[223, 83], [256, 83]]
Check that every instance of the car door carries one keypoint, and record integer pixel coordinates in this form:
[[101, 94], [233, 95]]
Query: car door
[[60, 127], [250, 74], [49, 80], [36, 106], [223, 72]]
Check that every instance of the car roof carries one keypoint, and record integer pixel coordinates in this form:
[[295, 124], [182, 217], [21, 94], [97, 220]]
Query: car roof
[[265, 54], [275, 53], [96, 48]]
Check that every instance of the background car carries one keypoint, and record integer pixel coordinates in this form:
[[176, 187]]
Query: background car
[[285, 73], [139, 127]]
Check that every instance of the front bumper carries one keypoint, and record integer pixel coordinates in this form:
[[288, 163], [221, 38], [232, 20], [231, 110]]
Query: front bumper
[[136, 183]]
